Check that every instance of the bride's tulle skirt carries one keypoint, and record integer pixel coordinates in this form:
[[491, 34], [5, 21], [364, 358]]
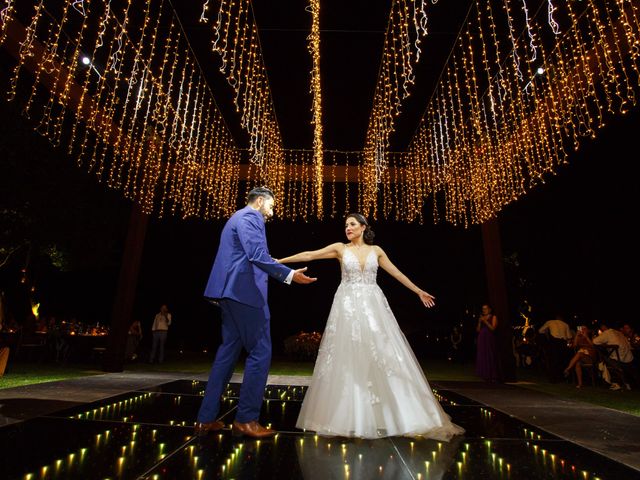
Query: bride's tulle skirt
[[367, 382]]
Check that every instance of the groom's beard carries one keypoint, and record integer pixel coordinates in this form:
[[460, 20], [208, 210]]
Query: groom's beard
[[266, 215]]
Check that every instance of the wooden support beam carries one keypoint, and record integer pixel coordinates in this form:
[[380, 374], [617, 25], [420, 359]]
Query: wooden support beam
[[121, 314], [342, 174], [497, 288]]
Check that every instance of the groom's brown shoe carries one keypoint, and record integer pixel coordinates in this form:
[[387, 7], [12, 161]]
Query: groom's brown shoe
[[251, 429], [203, 428]]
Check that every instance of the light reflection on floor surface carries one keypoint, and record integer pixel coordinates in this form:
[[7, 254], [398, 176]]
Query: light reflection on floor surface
[[148, 434]]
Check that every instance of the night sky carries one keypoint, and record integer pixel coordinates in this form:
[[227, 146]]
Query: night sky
[[568, 245]]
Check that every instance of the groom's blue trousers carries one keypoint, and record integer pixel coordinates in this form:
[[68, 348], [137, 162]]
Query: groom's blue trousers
[[245, 327]]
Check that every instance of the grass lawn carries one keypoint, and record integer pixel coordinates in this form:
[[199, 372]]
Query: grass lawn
[[201, 363], [441, 370], [29, 373], [623, 400], [19, 374]]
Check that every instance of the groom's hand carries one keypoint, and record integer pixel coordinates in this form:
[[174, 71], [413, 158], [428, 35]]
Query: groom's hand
[[300, 277]]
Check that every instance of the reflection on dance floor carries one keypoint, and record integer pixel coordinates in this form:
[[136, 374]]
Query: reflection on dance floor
[[148, 434]]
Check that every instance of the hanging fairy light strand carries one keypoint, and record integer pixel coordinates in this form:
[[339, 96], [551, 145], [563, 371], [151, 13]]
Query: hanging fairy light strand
[[496, 127], [133, 107], [126, 120], [6, 12], [406, 27], [237, 41], [316, 108]]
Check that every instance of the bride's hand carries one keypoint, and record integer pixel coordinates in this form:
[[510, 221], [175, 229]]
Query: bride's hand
[[427, 299]]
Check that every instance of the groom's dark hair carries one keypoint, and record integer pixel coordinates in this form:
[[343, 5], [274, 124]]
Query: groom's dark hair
[[259, 192]]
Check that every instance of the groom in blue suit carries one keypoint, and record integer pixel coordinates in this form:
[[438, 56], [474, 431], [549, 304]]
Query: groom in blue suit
[[238, 283]]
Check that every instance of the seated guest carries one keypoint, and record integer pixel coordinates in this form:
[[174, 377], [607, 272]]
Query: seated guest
[[621, 358], [632, 336], [527, 348], [555, 347], [585, 355], [634, 340], [557, 328]]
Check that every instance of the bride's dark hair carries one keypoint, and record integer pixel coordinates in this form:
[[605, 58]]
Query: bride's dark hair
[[369, 234]]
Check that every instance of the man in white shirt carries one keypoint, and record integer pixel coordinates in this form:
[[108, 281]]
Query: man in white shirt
[[610, 336], [557, 328], [620, 360], [159, 331], [556, 334]]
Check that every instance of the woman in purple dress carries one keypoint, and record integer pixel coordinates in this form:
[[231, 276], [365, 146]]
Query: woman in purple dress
[[487, 366]]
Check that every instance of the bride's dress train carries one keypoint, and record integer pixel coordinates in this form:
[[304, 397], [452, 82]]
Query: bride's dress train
[[367, 382]]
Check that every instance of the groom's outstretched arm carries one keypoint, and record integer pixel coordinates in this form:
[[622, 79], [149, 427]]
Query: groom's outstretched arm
[[251, 234], [330, 251]]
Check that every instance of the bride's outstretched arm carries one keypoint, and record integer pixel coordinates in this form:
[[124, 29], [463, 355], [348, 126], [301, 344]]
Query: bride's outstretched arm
[[330, 251], [426, 298]]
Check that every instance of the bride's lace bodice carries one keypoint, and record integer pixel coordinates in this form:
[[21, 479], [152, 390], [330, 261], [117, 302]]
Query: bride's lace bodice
[[353, 273]]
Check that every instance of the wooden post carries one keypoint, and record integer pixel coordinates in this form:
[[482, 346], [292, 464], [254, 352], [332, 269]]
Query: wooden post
[[126, 291], [498, 297]]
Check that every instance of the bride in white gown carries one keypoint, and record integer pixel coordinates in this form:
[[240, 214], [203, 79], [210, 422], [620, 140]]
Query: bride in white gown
[[367, 382]]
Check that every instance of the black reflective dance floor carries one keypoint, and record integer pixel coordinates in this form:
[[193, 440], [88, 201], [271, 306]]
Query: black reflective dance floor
[[149, 434]]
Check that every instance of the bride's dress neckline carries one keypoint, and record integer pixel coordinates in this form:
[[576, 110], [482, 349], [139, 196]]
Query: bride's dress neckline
[[362, 266]]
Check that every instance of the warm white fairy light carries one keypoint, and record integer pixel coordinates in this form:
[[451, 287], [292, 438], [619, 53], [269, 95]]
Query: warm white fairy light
[[5, 18], [502, 138], [532, 40], [103, 25], [555, 28], [420, 21], [205, 7], [237, 42], [78, 5], [514, 40], [399, 56], [316, 119], [148, 124], [120, 128]]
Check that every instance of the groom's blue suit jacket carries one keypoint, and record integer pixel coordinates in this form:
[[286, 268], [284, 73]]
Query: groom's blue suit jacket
[[243, 264]]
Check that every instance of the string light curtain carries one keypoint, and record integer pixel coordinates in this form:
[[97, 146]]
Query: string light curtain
[[508, 109], [236, 40], [401, 52], [522, 88], [131, 106]]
